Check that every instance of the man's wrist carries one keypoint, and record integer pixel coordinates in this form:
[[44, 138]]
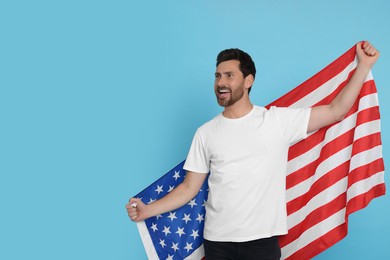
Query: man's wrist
[[364, 66]]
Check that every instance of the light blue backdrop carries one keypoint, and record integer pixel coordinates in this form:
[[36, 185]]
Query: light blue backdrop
[[100, 98]]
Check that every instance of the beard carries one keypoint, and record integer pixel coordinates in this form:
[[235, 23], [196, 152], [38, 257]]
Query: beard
[[232, 96]]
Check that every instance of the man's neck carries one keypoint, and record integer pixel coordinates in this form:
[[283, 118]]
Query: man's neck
[[239, 109]]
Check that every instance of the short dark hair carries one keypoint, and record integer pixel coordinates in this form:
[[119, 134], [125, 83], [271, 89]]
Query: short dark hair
[[247, 66]]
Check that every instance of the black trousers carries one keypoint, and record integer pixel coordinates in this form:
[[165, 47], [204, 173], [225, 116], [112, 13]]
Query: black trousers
[[261, 249]]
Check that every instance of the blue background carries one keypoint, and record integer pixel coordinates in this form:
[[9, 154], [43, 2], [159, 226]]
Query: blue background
[[100, 98]]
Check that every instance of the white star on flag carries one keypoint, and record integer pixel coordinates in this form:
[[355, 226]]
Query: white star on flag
[[194, 234], [162, 243], [200, 218], [177, 175], [172, 215], [159, 189], [188, 247], [166, 230], [180, 231], [192, 203], [175, 246], [186, 217], [154, 227]]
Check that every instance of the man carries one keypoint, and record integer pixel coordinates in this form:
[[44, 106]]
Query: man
[[245, 150]]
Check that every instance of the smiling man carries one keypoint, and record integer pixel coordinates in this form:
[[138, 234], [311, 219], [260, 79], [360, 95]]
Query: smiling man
[[244, 149]]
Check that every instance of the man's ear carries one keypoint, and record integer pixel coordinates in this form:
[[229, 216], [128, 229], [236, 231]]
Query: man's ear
[[249, 81]]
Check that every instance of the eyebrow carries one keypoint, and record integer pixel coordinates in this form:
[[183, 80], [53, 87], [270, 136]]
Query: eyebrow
[[224, 73]]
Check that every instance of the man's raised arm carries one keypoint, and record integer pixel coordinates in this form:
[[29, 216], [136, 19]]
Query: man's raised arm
[[328, 114]]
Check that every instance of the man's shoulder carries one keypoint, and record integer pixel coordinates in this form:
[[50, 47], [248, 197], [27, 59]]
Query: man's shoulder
[[212, 122]]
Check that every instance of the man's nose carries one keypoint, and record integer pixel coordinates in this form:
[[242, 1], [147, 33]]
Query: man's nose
[[220, 82]]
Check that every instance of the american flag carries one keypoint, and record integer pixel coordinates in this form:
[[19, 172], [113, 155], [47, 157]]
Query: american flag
[[334, 172]]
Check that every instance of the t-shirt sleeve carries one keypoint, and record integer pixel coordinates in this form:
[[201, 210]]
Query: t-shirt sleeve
[[293, 122], [197, 159]]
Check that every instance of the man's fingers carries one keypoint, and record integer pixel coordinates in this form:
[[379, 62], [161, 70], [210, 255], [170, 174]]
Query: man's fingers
[[132, 212], [369, 49]]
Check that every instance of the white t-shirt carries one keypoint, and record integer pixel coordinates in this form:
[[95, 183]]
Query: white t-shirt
[[247, 160]]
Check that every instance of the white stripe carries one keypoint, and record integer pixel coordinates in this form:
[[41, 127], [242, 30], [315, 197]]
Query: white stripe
[[365, 157], [304, 159], [368, 128], [322, 169], [197, 254], [313, 154], [313, 233], [325, 89], [369, 76], [365, 185], [370, 100], [317, 201], [147, 241]]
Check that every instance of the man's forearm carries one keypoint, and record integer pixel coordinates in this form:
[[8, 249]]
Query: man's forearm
[[343, 102], [179, 196], [173, 200], [324, 115]]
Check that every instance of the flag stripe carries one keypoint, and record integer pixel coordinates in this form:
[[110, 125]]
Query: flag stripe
[[319, 186], [335, 145], [367, 142], [318, 214], [365, 185], [318, 245], [315, 82], [311, 234], [147, 242], [361, 201], [362, 172], [298, 218]]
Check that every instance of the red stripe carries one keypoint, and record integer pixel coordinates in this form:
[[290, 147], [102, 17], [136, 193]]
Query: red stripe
[[365, 143], [368, 88], [365, 171], [307, 144], [320, 185], [316, 81], [327, 151], [367, 115], [320, 244], [313, 218], [361, 201]]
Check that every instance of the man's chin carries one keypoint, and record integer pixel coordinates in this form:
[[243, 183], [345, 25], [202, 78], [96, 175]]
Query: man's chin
[[224, 103]]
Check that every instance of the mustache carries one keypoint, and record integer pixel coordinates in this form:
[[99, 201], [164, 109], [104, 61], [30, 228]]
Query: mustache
[[222, 88]]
